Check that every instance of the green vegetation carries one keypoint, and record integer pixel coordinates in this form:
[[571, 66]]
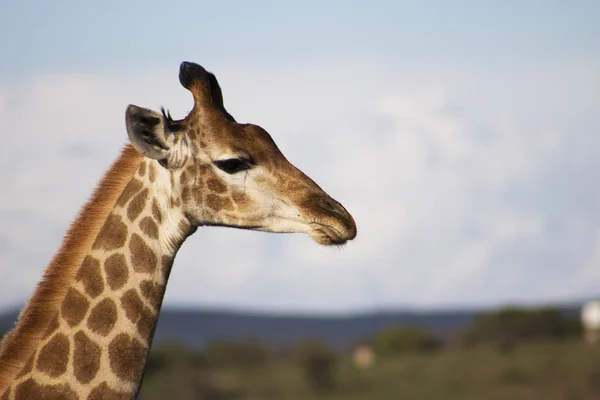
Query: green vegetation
[[547, 360], [547, 370], [318, 363], [508, 326], [404, 339]]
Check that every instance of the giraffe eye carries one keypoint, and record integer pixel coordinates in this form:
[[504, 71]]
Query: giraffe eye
[[233, 165]]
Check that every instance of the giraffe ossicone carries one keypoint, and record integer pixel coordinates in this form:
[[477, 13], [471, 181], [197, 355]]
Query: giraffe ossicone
[[87, 329]]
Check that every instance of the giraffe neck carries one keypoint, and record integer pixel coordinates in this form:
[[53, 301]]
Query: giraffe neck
[[97, 341]]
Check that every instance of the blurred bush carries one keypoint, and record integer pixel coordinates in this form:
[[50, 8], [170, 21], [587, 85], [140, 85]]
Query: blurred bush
[[168, 355], [510, 326], [238, 353], [404, 339], [318, 362]]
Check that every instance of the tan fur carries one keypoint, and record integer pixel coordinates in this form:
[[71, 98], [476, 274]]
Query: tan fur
[[18, 344]]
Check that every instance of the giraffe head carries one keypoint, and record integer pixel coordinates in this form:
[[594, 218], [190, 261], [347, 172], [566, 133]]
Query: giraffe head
[[232, 174]]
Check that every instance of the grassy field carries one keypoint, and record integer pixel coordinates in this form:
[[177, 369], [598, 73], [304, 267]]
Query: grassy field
[[542, 371]]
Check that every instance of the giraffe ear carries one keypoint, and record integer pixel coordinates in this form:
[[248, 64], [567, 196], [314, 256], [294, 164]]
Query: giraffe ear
[[148, 132]]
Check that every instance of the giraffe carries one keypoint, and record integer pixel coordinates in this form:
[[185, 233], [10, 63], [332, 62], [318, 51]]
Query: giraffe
[[87, 329]]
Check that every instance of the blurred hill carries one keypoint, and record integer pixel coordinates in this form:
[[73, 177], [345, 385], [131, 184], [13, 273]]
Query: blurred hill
[[197, 327]]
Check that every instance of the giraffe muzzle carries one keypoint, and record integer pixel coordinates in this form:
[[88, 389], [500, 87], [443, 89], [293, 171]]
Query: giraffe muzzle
[[337, 227]]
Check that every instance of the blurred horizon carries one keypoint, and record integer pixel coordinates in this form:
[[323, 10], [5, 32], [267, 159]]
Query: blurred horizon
[[463, 137]]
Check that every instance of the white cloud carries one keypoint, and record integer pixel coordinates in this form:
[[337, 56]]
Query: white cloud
[[444, 171]]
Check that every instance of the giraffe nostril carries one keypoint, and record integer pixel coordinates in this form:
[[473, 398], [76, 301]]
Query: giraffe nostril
[[329, 204]]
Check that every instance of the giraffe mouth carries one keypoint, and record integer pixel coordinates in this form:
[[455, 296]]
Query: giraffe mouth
[[327, 235]]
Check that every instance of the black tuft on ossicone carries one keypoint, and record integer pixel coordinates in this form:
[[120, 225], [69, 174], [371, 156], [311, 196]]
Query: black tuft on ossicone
[[188, 72]]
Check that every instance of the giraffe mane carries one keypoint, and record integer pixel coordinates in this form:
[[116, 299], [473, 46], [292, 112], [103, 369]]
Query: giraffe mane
[[45, 302]]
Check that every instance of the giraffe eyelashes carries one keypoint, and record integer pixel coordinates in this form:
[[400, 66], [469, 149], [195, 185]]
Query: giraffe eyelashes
[[233, 165]]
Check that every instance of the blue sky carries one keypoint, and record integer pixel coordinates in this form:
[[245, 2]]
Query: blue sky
[[462, 135], [73, 36]]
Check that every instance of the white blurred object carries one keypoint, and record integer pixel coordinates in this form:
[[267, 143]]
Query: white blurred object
[[590, 318]]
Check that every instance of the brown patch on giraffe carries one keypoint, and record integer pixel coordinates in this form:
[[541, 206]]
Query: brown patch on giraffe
[[166, 263], [52, 327], [74, 307], [146, 322], [86, 358], [241, 199], [116, 271], [219, 203], [156, 212], [27, 368], [89, 274], [126, 356], [152, 172], [113, 234], [186, 194], [29, 389], [142, 256], [216, 186], [132, 188], [191, 171], [18, 345], [151, 291], [54, 356], [149, 227], [103, 392], [175, 202], [103, 317], [132, 304], [137, 204], [142, 169]]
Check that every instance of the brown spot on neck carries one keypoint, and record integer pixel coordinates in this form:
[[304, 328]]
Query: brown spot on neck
[[104, 392], [103, 317], [86, 358], [113, 234], [137, 205], [116, 271], [54, 356], [126, 356], [29, 389], [151, 291], [89, 274], [132, 188], [142, 256], [166, 263], [132, 304], [149, 227], [74, 307]]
